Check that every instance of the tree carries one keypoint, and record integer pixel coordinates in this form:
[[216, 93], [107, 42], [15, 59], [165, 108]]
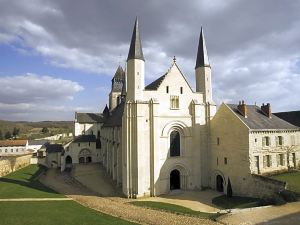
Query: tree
[[1, 135], [45, 130], [16, 132], [7, 135], [229, 189]]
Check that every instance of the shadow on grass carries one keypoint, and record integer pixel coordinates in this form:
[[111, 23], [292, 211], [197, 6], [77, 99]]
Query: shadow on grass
[[235, 202], [29, 181]]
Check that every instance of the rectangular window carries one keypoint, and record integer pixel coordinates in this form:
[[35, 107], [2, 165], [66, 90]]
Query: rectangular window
[[294, 159], [293, 141], [279, 141], [225, 161], [257, 164], [280, 160], [266, 141], [181, 90], [218, 141], [174, 102], [267, 161], [167, 89]]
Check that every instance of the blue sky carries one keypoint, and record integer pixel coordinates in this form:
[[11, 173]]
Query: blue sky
[[58, 57]]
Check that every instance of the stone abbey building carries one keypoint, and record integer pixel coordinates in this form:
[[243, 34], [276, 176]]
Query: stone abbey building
[[163, 136]]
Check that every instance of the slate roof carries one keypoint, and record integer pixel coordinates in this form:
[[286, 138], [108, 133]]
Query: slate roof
[[85, 138], [89, 117], [54, 148], [202, 56], [115, 118], [135, 50], [256, 119], [155, 84], [8, 143], [292, 117]]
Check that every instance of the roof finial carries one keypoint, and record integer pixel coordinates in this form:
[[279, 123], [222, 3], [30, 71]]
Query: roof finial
[[174, 59]]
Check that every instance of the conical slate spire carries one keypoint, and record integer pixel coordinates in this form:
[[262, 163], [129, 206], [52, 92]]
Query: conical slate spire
[[135, 50], [119, 73], [202, 57]]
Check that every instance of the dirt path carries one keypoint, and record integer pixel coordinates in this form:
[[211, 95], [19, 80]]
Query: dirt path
[[114, 206], [288, 214]]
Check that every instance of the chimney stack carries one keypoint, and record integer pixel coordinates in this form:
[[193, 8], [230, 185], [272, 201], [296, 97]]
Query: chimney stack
[[266, 109], [242, 108]]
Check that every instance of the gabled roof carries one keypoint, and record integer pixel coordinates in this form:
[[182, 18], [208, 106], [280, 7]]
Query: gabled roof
[[292, 117], [89, 117], [115, 118], [8, 143], [256, 119], [135, 50], [155, 84], [85, 138], [53, 148]]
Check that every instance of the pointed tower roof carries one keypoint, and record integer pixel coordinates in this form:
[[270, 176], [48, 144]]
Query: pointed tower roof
[[106, 111], [119, 73], [135, 50], [202, 56]]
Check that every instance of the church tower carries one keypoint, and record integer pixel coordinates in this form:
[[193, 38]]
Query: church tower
[[135, 66], [116, 88], [203, 71]]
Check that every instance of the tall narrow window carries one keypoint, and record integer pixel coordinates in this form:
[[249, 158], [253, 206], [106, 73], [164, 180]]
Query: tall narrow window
[[181, 90], [174, 143], [266, 141], [167, 89], [293, 142], [279, 141], [174, 102], [267, 161]]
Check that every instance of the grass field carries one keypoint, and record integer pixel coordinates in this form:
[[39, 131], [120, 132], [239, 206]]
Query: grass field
[[177, 209], [53, 213], [235, 202], [23, 184], [292, 178]]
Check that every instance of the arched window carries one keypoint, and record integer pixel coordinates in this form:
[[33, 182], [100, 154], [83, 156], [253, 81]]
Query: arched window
[[174, 143]]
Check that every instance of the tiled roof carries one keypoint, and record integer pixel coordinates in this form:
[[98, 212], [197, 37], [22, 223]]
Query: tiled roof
[[292, 117], [89, 117], [115, 118], [8, 143], [155, 84], [256, 119], [85, 138]]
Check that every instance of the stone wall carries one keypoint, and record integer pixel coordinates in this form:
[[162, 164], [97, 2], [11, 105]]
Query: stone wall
[[10, 164]]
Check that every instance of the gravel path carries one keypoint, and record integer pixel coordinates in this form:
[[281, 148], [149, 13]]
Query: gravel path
[[115, 206]]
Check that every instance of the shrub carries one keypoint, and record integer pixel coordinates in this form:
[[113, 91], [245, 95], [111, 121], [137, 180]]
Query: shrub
[[271, 200], [288, 196]]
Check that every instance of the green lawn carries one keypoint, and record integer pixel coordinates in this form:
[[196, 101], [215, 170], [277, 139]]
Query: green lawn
[[177, 209], [23, 184], [235, 202], [292, 178], [53, 213]]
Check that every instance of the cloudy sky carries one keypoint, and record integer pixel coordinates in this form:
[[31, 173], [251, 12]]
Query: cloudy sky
[[58, 56]]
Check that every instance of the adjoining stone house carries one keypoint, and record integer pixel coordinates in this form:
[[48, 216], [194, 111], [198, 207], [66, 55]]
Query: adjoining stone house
[[13, 147], [247, 140], [50, 155]]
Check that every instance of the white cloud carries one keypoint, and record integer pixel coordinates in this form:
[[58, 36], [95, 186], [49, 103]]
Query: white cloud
[[32, 88]]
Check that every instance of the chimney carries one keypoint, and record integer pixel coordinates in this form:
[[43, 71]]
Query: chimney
[[266, 109], [242, 108]]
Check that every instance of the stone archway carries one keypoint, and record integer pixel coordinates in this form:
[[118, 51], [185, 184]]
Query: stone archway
[[68, 160], [85, 156], [175, 180], [219, 183]]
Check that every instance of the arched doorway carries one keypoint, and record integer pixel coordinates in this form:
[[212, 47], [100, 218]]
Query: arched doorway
[[219, 183], [68, 160], [174, 180]]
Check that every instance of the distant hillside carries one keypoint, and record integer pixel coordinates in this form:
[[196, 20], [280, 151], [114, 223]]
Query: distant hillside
[[32, 130]]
